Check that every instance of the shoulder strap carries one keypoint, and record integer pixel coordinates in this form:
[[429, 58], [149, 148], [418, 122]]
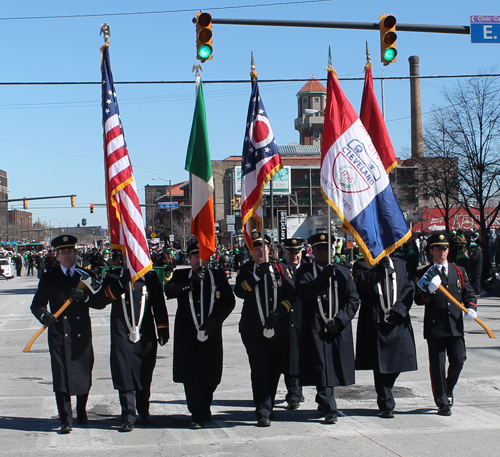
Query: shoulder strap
[[460, 275]]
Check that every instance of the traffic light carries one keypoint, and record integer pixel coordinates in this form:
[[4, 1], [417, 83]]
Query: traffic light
[[73, 201], [238, 202], [92, 208], [25, 203], [233, 203], [388, 38], [203, 22]]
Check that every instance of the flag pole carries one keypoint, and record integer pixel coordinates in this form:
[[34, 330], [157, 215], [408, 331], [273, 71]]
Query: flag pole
[[253, 75], [197, 67], [329, 222]]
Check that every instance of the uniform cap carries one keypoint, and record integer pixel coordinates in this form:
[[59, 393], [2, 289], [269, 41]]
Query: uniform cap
[[64, 242]]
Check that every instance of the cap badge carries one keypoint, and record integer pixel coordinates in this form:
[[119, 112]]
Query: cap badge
[[322, 237]]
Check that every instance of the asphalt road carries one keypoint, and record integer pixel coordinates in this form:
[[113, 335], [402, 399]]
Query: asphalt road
[[29, 424]]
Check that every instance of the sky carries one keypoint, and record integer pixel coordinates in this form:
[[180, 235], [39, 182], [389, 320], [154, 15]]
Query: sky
[[51, 135]]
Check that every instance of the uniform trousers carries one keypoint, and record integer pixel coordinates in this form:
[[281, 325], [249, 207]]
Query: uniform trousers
[[442, 383], [267, 358], [199, 400], [325, 398], [384, 382], [130, 400], [63, 401], [294, 389]]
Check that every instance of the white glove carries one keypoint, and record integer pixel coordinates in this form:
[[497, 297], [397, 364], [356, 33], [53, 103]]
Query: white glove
[[470, 314], [434, 284]]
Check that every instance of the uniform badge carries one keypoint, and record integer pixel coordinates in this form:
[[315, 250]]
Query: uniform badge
[[65, 238], [217, 294], [441, 237], [279, 282], [294, 241], [322, 237], [459, 285]]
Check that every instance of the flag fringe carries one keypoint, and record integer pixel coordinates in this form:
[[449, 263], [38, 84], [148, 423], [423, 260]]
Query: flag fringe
[[362, 245]]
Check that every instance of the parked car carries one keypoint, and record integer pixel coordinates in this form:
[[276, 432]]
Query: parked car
[[8, 268]]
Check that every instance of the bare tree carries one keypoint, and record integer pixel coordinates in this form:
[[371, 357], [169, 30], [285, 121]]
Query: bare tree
[[469, 129], [438, 180]]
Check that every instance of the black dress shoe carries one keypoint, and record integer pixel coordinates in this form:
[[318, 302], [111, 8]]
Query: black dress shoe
[[444, 410], [66, 428], [388, 414], [196, 425], [293, 405], [127, 427], [263, 422], [331, 417]]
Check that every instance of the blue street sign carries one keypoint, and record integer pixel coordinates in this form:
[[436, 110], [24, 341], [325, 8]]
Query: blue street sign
[[485, 29], [168, 205]]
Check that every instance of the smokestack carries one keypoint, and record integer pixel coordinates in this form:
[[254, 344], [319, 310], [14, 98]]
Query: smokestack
[[417, 142]]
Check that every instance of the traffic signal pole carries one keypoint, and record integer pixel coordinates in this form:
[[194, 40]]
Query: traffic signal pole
[[453, 29]]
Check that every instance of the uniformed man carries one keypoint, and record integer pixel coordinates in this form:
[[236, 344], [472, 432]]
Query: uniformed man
[[198, 332], [69, 336], [443, 321], [385, 341], [135, 325], [329, 303], [264, 324], [293, 249]]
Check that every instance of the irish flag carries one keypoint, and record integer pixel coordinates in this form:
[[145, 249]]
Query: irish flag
[[202, 181]]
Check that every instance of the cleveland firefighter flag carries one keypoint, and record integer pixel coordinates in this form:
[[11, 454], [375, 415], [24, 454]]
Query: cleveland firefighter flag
[[372, 119], [202, 181], [354, 182], [259, 163], [126, 228]]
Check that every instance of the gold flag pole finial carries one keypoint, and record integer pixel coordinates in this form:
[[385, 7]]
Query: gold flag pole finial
[[105, 32], [368, 58], [253, 73]]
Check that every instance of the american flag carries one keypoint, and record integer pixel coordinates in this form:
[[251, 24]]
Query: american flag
[[126, 227], [260, 162]]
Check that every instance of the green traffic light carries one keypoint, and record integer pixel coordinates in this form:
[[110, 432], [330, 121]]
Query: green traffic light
[[390, 54], [205, 51]]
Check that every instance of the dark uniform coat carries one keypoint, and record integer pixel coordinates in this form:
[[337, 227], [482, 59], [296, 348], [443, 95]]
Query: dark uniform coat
[[70, 339], [132, 364], [250, 322], [295, 322], [392, 347], [197, 362], [326, 360], [442, 318]]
